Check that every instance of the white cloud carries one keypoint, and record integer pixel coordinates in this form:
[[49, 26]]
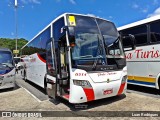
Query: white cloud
[[156, 12], [110, 17], [135, 6], [24, 1], [155, 2], [142, 9], [72, 2], [35, 1], [31, 1], [12, 33], [145, 10]]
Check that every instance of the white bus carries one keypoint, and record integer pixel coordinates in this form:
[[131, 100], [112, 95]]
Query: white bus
[[143, 63], [7, 69], [77, 57]]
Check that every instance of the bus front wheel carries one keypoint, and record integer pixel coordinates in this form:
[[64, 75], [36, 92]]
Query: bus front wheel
[[159, 86], [45, 86], [25, 77]]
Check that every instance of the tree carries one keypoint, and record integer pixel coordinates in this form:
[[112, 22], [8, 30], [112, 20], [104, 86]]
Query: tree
[[10, 43]]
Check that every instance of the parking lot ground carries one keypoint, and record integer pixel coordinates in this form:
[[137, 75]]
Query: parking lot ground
[[32, 89], [21, 99]]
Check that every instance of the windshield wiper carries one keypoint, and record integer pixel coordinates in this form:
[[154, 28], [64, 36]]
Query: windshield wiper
[[6, 65], [84, 57], [106, 48]]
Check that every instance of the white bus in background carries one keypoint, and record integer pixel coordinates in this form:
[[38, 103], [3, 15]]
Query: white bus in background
[[144, 63], [7, 69], [77, 57]]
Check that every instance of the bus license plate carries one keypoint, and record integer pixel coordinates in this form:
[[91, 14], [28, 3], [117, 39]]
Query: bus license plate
[[106, 92]]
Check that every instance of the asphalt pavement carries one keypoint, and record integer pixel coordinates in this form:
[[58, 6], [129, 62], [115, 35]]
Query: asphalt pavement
[[29, 97], [32, 88]]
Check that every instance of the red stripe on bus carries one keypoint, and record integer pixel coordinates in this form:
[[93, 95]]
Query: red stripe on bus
[[66, 96], [89, 94], [41, 58], [121, 88]]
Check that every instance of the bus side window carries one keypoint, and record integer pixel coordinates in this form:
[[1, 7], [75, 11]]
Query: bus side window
[[155, 31], [140, 33]]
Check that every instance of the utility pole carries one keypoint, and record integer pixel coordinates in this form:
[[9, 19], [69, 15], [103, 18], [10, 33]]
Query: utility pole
[[16, 23]]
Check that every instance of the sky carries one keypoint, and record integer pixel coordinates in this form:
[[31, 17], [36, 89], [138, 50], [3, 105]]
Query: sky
[[34, 15]]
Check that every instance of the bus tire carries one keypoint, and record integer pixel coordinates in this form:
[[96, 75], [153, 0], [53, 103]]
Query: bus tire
[[45, 86], [25, 77], [159, 86]]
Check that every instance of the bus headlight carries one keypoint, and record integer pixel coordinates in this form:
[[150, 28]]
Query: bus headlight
[[82, 83], [124, 79]]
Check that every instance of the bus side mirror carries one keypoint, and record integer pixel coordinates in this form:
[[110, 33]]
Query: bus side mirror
[[71, 35], [129, 42], [133, 41]]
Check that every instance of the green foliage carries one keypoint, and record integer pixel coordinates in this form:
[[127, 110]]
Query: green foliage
[[11, 43]]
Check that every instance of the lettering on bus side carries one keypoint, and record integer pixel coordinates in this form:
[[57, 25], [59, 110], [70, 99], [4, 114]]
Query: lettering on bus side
[[140, 53], [33, 59]]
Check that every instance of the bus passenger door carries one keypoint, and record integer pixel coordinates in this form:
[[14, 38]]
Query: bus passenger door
[[51, 80], [63, 68]]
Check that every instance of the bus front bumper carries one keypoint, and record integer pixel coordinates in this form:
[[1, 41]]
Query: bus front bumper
[[98, 91]]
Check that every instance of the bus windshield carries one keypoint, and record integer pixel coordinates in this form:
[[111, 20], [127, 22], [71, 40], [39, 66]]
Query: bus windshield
[[113, 46], [95, 39], [6, 59]]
